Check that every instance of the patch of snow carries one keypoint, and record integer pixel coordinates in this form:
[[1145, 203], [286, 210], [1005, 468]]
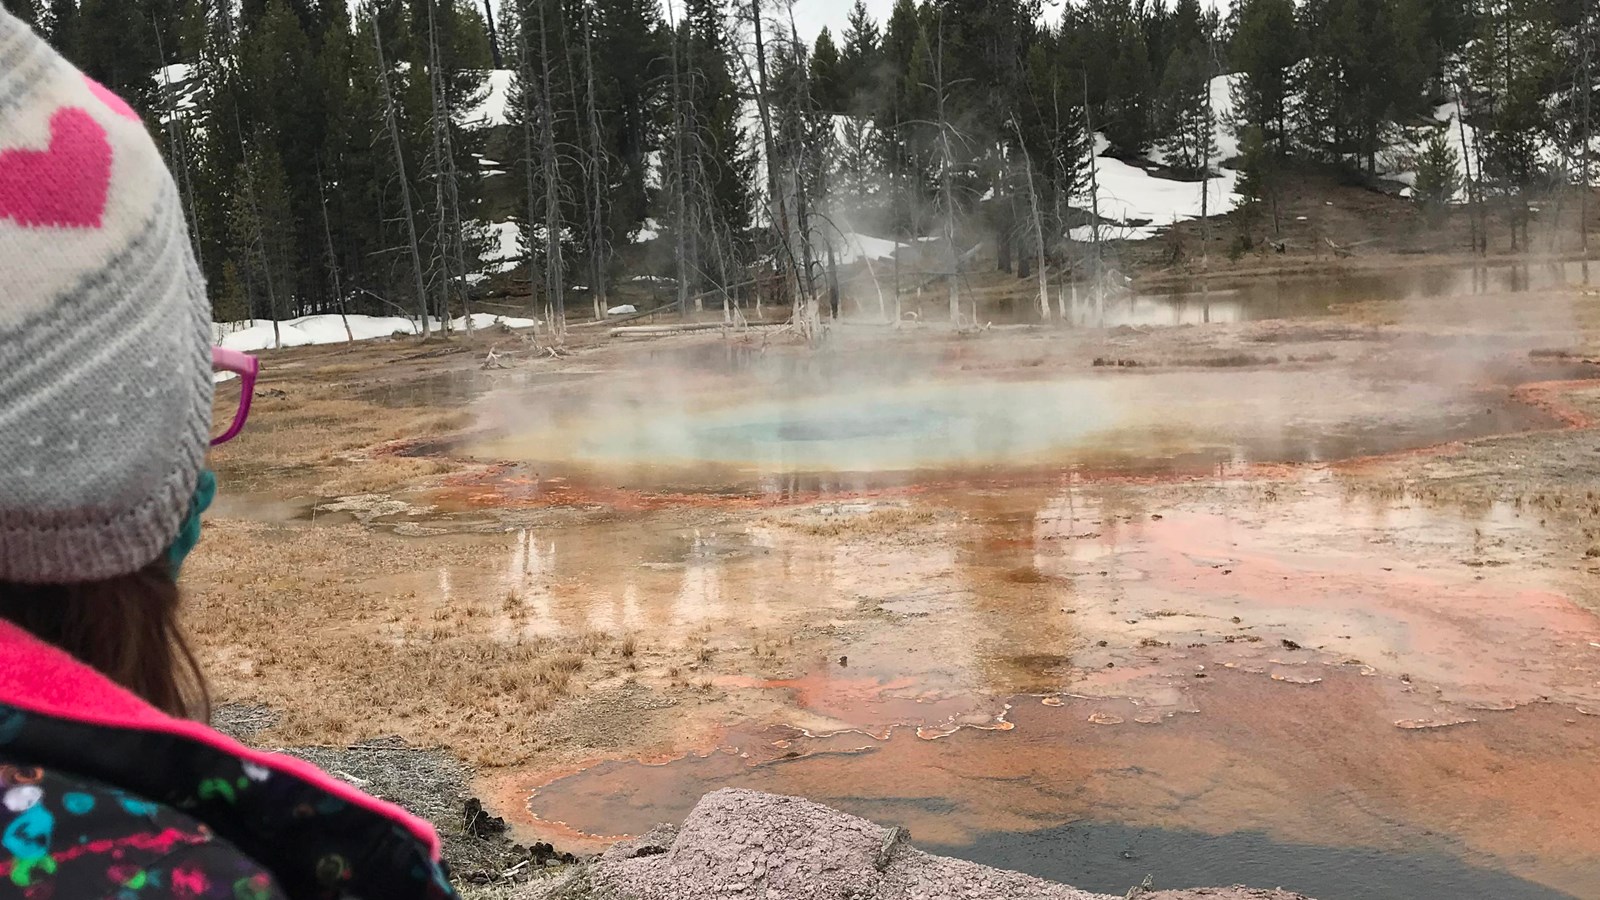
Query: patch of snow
[[488, 320], [652, 170], [491, 172], [261, 336], [488, 163], [623, 310], [328, 328], [987, 195], [256, 334], [177, 73], [179, 79], [491, 110], [861, 246], [842, 124], [1224, 144], [649, 231], [1129, 194], [1222, 136], [505, 250]]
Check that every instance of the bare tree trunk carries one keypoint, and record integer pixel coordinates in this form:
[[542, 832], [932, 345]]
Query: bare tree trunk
[[444, 184], [530, 152], [261, 236], [1588, 88], [946, 187], [405, 184], [555, 286], [802, 198], [1094, 189], [1466, 165], [597, 238], [777, 209], [681, 227], [1206, 148], [494, 36], [176, 140], [333, 261], [1038, 226]]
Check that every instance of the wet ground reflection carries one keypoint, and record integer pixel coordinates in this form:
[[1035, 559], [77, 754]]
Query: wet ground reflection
[[1299, 296], [1108, 857], [1320, 768], [1332, 672]]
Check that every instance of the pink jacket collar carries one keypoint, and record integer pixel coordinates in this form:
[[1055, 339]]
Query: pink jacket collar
[[40, 678]]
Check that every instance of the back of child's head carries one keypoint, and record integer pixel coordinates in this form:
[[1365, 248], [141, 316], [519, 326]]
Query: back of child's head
[[105, 374]]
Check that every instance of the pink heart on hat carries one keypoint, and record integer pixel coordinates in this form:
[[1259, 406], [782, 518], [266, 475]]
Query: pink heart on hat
[[64, 186]]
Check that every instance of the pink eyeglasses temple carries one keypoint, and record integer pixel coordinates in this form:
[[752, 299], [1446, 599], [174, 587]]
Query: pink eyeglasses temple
[[245, 366]]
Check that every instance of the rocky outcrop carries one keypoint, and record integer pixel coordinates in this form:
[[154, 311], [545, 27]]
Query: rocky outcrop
[[746, 845]]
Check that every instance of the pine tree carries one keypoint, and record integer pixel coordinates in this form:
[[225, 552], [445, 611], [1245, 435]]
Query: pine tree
[[1438, 175], [259, 231], [26, 10], [1186, 114], [1259, 174], [1513, 69], [1368, 65], [722, 153], [1128, 94], [62, 27], [860, 61], [629, 52], [827, 81], [115, 45], [1266, 46]]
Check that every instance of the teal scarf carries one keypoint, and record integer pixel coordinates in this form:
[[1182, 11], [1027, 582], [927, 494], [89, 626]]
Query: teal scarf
[[205, 490]]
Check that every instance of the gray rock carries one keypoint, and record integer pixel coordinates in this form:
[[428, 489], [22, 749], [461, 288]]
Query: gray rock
[[746, 845]]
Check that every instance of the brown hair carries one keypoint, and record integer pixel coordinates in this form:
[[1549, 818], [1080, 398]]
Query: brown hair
[[125, 627]]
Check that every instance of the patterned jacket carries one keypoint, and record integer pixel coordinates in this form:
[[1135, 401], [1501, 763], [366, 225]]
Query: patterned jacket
[[103, 796]]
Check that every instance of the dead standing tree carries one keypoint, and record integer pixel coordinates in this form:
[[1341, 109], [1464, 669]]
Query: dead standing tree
[[554, 273], [777, 211], [1038, 222], [530, 152], [947, 178], [447, 201], [392, 120], [596, 175], [680, 192], [333, 259]]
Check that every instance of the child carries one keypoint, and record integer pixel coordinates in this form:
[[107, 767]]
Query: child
[[110, 784]]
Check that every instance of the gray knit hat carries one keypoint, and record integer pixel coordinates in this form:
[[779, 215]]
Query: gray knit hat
[[105, 332]]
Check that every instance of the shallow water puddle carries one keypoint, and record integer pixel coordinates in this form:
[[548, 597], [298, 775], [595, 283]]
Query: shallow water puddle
[[1320, 767], [1310, 669], [1295, 297]]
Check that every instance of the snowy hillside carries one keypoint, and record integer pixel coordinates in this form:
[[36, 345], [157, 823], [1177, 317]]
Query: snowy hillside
[[490, 111], [258, 334], [1129, 195]]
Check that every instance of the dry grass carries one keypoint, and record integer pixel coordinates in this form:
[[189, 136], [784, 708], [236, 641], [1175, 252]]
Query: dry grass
[[309, 431], [301, 619], [875, 522], [381, 474]]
